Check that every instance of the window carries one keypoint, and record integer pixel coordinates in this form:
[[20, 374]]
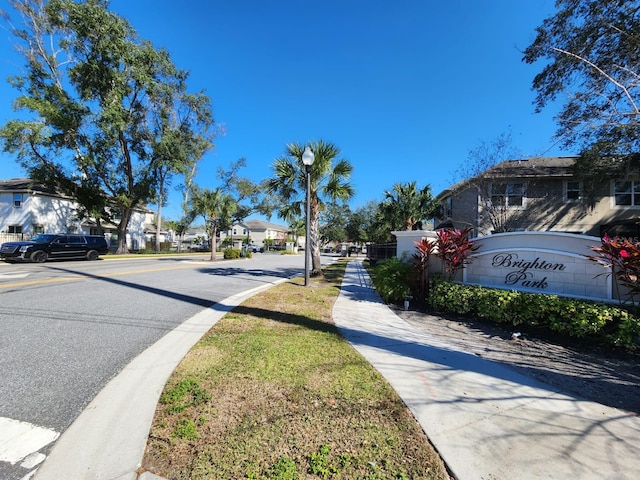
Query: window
[[572, 191], [509, 195], [626, 193], [15, 228], [38, 229], [447, 207], [17, 200]]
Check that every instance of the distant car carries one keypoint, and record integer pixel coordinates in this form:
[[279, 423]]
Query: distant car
[[200, 247], [47, 246], [255, 248]]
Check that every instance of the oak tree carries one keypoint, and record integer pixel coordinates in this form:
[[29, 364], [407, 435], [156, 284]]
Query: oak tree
[[592, 54], [101, 114]]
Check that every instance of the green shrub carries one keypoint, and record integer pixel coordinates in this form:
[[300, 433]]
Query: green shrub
[[627, 335], [394, 279], [576, 318], [231, 253]]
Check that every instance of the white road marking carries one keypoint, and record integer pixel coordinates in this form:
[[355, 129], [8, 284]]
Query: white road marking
[[33, 460], [13, 275], [19, 439]]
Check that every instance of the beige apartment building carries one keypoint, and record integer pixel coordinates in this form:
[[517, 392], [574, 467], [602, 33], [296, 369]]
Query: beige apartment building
[[544, 194]]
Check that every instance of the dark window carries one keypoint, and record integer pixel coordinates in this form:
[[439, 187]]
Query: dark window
[[627, 193], [17, 200], [73, 239], [573, 191], [507, 195], [15, 228]]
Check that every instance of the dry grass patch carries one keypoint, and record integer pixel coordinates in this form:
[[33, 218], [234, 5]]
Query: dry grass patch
[[274, 392]]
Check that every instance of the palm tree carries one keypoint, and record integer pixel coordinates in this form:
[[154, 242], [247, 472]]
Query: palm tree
[[329, 179], [296, 229], [405, 207], [216, 208]]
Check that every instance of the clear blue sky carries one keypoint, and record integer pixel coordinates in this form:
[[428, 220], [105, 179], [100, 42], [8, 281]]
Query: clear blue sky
[[404, 88]]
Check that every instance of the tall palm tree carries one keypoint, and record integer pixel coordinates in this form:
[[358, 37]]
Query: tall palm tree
[[405, 207], [216, 208], [329, 180]]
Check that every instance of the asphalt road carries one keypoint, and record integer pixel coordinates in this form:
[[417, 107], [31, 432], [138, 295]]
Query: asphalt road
[[67, 328]]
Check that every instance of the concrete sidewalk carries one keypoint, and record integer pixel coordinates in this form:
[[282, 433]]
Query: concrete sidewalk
[[487, 421]]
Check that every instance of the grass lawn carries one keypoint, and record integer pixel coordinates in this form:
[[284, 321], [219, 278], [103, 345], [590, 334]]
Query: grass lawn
[[274, 392]]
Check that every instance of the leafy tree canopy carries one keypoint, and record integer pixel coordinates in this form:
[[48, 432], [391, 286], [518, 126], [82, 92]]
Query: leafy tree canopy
[[592, 49], [329, 181], [406, 207], [101, 112], [216, 208], [333, 223]]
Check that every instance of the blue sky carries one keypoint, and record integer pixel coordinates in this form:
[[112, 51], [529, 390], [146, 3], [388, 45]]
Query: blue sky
[[405, 88]]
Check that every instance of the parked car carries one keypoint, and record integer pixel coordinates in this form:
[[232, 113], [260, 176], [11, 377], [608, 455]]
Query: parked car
[[48, 246], [255, 248], [200, 247]]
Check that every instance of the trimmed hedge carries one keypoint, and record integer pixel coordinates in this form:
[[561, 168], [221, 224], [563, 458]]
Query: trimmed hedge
[[231, 253], [576, 318]]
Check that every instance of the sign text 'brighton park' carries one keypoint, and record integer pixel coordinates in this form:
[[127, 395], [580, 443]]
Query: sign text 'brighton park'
[[523, 273]]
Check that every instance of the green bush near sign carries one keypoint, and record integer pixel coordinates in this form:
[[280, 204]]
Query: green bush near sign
[[612, 324], [394, 279], [232, 253]]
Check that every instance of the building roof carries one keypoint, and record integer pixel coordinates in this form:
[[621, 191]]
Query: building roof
[[17, 185], [27, 185], [534, 167], [262, 225]]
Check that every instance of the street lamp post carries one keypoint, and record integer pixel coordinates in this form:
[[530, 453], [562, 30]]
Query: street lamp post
[[307, 158]]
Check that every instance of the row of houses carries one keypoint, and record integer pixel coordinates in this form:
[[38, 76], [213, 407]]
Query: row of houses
[[28, 208], [544, 194], [535, 194]]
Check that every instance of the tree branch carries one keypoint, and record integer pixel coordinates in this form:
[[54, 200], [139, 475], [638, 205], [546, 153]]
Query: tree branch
[[604, 74]]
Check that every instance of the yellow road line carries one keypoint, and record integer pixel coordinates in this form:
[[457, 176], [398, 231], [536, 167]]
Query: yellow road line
[[85, 276]]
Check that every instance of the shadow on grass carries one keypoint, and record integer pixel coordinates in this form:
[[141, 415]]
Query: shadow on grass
[[288, 318]]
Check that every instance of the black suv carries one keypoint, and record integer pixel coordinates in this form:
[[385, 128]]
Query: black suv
[[47, 246]]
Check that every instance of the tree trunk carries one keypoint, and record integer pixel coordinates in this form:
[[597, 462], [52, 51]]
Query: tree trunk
[[159, 214], [158, 226], [314, 238], [213, 240], [122, 231]]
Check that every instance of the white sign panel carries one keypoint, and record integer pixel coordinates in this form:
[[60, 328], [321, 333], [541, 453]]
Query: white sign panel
[[527, 261]]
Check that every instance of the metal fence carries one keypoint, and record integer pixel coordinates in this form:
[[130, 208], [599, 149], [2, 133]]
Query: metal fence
[[381, 251], [13, 237]]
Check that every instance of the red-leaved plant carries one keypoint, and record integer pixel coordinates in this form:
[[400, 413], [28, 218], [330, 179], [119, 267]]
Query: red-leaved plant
[[622, 256], [424, 248], [454, 247]]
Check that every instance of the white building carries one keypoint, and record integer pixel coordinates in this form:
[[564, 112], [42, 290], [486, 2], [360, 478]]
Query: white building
[[257, 231], [27, 209]]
